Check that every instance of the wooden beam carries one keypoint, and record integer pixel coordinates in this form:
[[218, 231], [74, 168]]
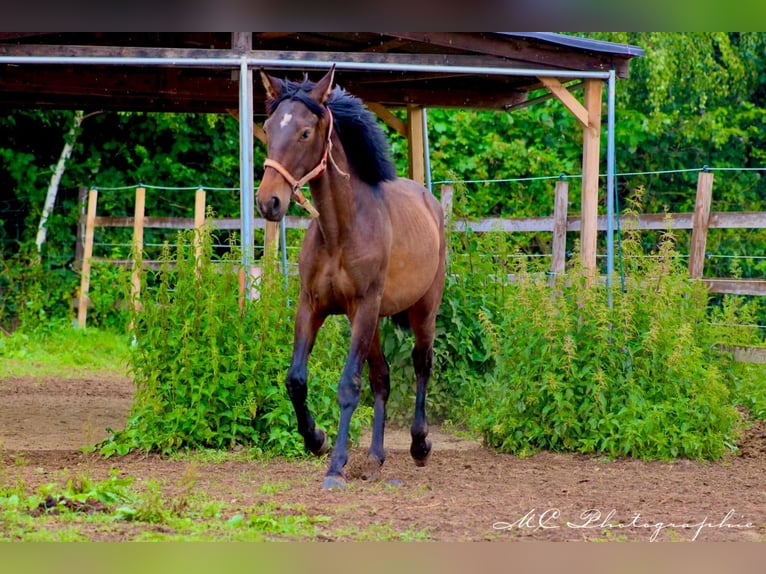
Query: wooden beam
[[736, 286], [450, 59], [652, 221], [242, 41], [388, 117], [533, 53], [743, 354], [590, 165], [257, 130], [433, 96], [701, 219], [566, 98], [416, 144]]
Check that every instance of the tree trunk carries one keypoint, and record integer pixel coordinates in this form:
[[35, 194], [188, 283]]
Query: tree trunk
[[53, 187]]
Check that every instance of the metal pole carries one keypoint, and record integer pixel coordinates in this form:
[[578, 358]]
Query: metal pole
[[610, 190], [426, 150], [283, 241], [246, 196], [283, 63]]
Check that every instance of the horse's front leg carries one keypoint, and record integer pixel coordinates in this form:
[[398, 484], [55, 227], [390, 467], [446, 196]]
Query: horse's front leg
[[380, 381], [364, 323], [307, 324]]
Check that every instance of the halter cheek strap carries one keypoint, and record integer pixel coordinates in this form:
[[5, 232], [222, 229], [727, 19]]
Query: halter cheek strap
[[296, 184]]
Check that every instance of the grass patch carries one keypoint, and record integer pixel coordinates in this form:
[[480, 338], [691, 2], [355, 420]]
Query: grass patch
[[77, 512], [60, 348]]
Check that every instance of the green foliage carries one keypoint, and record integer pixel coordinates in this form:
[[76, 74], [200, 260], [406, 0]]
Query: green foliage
[[642, 378], [462, 354], [37, 294], [209, 373], [694, 99]]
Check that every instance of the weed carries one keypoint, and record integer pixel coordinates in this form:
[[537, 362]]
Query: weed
[[209, 365], [639, 377]]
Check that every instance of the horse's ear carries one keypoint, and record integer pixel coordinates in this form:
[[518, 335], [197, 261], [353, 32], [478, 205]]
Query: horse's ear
[[323, 87], [273, 85]]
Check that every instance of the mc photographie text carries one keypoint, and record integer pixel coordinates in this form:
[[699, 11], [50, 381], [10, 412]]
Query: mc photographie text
[[600, 521]]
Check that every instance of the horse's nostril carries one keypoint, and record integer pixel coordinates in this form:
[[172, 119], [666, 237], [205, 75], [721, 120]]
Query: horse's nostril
[[274, 204]]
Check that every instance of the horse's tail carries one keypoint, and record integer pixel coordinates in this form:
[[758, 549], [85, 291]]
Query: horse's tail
[[401, 320]]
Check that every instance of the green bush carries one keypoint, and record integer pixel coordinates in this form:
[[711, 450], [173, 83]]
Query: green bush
[[209, 373], [642, 377], [526, 364], [36, 293]]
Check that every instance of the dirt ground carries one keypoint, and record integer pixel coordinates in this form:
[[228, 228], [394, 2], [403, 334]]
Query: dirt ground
[[465, 493]]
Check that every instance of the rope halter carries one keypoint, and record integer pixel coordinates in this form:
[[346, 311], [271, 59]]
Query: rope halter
[[318, 170]]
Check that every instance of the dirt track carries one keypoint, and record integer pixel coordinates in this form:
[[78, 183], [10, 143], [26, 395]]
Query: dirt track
[[466, 492]]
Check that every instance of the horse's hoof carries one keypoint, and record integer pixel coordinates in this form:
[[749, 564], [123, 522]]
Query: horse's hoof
[[334, 482], [421, 453], [325, 444], [372, 471]]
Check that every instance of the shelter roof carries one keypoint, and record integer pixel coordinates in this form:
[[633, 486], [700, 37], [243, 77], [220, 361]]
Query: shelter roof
[[192, 88]]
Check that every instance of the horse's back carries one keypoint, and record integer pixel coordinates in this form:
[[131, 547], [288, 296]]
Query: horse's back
[[417, 247]]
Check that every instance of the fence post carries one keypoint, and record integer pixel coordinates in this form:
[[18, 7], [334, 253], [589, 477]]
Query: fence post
[[90, 225], [700, 223], [559, 246], [446, 201], [199, 221], [138, 246], [78, 246], [271, 240]]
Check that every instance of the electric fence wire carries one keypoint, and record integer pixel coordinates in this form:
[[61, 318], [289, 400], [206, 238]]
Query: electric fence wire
[[620, 251]]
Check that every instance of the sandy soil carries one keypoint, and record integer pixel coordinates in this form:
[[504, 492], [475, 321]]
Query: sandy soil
[[466, 493]]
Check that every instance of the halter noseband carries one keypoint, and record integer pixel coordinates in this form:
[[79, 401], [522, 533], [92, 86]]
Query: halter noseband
[[296, 184]]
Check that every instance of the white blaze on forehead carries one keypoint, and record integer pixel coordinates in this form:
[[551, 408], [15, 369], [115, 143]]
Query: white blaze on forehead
[[285, 120]]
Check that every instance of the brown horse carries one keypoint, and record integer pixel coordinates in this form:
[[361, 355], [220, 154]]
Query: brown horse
[[376, 248]]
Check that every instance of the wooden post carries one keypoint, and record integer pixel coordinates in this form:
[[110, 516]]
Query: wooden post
[[138, 246], [416, 144], [199, 221], [700, 224], [271, 240], [90, 225], [446, 201], [240, 42], [590, 165], [78, 247], [559, 246]]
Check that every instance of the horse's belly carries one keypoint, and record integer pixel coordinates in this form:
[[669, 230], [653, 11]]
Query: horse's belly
[[410, 275]]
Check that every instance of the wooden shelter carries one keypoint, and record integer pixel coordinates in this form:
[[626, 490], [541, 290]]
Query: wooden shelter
[[200, 72]]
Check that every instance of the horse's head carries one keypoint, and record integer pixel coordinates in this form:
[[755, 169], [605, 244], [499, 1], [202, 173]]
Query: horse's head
[[298, 132]]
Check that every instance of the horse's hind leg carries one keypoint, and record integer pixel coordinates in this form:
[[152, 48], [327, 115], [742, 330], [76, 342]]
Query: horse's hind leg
[[422, 318], [381, 386], [422, 358]]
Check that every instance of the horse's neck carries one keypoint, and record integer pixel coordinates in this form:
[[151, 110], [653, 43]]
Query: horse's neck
[[334, 198]]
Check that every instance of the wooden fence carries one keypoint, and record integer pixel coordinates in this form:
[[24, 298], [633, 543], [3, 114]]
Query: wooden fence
[[559, 224]]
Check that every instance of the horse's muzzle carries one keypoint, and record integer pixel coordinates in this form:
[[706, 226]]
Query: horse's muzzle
[[271, 209]]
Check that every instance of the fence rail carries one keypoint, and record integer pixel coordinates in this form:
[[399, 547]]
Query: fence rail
[[699, 222]]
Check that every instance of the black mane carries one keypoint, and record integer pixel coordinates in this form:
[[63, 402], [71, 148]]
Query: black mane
[[363, 140]]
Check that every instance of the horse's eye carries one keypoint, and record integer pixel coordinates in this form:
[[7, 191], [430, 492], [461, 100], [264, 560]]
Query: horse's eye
[[305, 134]]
